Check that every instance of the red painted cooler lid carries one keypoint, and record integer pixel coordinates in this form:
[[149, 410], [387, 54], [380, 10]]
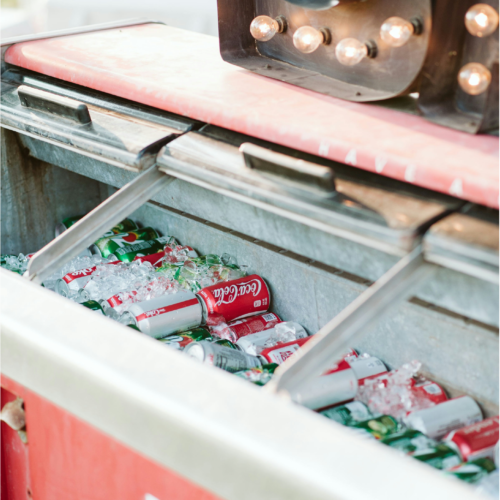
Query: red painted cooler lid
[[183, 72]]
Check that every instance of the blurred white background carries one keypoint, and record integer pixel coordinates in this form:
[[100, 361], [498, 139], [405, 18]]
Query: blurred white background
[[21, 17]]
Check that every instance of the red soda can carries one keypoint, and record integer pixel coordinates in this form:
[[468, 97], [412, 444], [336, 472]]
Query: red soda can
[[154, 259], [439, 420], [429, 390], [476, 440], [236, 299], [366, 368], [77, 279], [337, 386], [169, 313], [253, 324], [281, 352]]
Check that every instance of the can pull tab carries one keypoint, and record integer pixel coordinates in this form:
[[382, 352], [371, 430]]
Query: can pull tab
[[298, 173], [14, 416]]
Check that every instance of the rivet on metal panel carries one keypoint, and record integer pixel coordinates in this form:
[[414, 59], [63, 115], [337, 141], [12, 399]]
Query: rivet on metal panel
[[14, 416]]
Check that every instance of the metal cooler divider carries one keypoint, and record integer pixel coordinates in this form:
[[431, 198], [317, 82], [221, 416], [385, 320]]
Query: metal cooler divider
[[415, 235], [296, 272], [304, 290]]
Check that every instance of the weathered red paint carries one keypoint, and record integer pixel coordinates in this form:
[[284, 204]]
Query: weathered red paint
[[71, 460], [182, 72], [15, 463]]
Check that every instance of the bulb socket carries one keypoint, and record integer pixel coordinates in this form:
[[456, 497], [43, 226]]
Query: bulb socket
[[282, 24], [418, 25], [327, 35], [372, 49]]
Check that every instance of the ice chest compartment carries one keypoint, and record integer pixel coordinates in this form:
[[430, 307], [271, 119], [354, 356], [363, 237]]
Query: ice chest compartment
[[308, 293], [190, 407]]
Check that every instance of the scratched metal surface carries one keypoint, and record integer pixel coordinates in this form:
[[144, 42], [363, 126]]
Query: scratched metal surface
[[182, 72]]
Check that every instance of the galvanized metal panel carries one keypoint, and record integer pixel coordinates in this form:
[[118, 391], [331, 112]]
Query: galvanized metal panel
[[455, 291], [235, 215], [184, 415], [313, 294], [36, 195]]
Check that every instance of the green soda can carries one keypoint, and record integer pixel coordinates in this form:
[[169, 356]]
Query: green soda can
[[474, 471], [378, 427], [227, 343], [94, 306], [134, 327], [124, 226], [66, 224], [409, 441], [258, 376], [349, 414], [110, 244], [181, 340], [439, 456], [128, 253]]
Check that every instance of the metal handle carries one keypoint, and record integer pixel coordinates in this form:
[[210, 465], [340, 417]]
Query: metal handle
[[54, 104], [337, 336], [88, 229], [305, 173]]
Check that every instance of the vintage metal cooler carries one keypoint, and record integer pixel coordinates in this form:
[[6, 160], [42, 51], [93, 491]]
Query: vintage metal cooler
[[368, 223]]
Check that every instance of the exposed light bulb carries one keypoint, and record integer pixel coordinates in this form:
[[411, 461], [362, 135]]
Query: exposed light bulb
[[481, 20], [350, 51], [263, 28], [474, 78], [396, 31], [307, 39]]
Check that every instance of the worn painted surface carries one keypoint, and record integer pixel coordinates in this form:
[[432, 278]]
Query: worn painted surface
[[15, 458], [70, 459], [182, 72]]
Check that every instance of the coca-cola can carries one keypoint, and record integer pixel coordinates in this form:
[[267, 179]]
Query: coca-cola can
[[253, 324], [236, 299], [476, 440], [281, 352], [327, 390], [366, 368], [429, 390], [222, 357], [337, 386], [155, 259], [74, 281], [445, 417], [170, 313], [254, 343]]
